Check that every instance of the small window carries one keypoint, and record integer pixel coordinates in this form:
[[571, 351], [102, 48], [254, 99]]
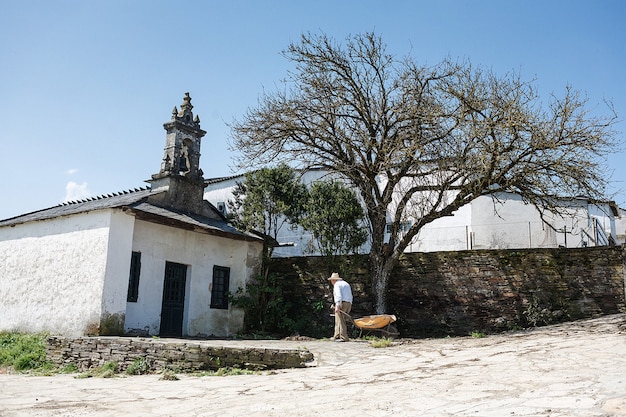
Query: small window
[[133, 279], [219, 292]]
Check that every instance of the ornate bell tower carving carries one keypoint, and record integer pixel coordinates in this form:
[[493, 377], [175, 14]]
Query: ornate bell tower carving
[[180, 169], [182, 144]]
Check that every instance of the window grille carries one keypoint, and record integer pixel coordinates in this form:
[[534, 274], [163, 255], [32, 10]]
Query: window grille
[[219, 291], [404, 226], [133, 279]]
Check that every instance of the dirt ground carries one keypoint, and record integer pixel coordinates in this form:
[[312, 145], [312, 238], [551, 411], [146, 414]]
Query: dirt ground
[[573, 369]]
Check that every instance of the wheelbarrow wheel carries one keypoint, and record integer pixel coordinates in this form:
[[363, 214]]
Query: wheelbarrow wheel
[[392, 332]]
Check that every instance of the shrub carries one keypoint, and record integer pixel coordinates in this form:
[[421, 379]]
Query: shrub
[[23, 352], [138, 367]]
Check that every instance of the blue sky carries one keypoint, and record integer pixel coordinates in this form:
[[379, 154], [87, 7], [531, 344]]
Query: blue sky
[[85, 86]]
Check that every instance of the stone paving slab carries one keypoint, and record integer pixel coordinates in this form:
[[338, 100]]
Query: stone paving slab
[[572, 369]]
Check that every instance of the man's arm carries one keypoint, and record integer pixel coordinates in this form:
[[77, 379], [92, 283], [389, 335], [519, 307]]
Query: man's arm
[[337, 297]]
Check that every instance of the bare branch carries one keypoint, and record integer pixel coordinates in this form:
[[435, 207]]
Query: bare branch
[[419, 142]]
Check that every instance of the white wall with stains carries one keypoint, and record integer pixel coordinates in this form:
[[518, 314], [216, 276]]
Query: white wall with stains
[[200, 252], [53, 274]]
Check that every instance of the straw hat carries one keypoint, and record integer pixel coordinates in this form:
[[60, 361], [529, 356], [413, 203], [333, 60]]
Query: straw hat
[[334, 277]]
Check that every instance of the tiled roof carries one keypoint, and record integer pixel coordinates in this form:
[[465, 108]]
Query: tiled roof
[[221, 179], [188, 220], [114, 200], [137, 201]]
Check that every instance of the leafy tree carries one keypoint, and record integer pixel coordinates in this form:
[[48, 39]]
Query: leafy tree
[[264, 202], [419, 142], [334, 216]]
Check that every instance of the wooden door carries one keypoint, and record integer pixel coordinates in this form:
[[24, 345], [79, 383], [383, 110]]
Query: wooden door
[[173, 305]]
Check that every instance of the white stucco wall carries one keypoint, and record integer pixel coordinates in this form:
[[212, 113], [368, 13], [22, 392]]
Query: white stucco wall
[[52, 274], [200, 252], [508, 223], [481, 224], [605, 219], [620, 227], [119, 251], [220, 193], [449, 233]]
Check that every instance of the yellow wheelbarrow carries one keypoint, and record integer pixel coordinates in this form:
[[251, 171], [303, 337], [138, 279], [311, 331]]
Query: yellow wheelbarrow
[[378, 323]]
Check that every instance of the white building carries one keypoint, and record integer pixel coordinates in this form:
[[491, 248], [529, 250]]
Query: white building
[[486, 223], [152, 261], [510, 223]]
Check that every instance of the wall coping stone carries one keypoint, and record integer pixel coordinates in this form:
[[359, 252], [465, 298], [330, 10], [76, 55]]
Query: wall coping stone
[[179, 355]]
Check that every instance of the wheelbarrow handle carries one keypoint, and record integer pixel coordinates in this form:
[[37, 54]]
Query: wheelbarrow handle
[[346, 315]]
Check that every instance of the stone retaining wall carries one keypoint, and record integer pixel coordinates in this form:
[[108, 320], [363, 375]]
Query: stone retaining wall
[[457, 293], [163, 354]]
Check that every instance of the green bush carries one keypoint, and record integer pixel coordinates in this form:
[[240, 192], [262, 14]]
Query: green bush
[[107, 370], [270, 310], [23, 352], [138, 367]]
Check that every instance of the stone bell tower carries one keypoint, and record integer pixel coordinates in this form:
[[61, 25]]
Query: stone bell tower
[[180, 169]]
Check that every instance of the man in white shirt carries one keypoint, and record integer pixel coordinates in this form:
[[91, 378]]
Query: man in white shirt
[[342, 295]]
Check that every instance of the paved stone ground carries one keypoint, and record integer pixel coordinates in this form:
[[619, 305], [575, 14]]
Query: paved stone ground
[[573, 369]]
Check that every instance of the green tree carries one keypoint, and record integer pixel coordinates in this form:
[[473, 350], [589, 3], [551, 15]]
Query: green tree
[[264, 202], [419, 142], [334, 216]]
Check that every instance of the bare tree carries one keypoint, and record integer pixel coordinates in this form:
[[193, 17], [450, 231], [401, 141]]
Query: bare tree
[[419, 142]]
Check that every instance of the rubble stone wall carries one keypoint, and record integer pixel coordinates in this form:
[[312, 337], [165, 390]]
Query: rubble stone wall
[[166, 354], [458, 293]]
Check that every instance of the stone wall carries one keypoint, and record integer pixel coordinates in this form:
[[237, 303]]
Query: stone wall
[[168, 354], [456, 293]]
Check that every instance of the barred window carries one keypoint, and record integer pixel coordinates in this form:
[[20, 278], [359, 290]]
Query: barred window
[[219, 292], [133, 279]]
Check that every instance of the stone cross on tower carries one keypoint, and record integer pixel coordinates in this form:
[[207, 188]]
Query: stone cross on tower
[[180, 171]]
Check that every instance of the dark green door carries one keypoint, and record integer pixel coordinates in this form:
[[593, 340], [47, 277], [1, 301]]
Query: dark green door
[[173, 305]]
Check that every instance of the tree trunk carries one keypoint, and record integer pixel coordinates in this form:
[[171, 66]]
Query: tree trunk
[[381, 267]]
